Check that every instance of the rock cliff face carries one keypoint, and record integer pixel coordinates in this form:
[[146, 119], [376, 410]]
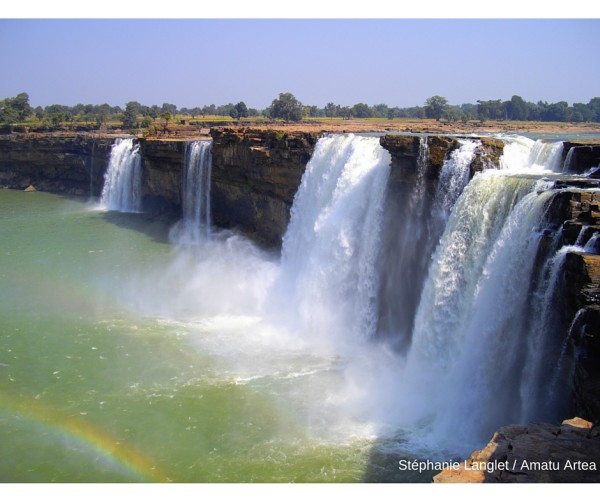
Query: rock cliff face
[[161, 176], [487, 155], [577, 211], [255, 175], [62, 163], [581, 155], [533, 453]]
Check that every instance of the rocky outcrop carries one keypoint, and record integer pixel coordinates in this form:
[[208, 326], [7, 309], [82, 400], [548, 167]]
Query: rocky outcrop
[[582, 277], [575, 210], [581, 155], [62, 163], [404, 151], [533, 453], [487, 155], [255, 175]]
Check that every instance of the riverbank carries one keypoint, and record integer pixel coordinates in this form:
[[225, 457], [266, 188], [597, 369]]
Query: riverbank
[[201, 129]]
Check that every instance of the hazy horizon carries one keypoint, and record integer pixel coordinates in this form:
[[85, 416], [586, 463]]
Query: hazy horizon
[[399, 62]]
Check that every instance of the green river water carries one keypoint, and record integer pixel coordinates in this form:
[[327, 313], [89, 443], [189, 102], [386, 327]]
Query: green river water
[[97, 385]]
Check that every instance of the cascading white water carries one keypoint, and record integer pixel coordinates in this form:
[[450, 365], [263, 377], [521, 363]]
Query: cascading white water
[[195, 194], [521, 153], [478, 325], [462, 376], [542, 387], [454, 176], [593, 245], [547, 155], [469, 330], [414, 221], [329, 250], [122, 189]]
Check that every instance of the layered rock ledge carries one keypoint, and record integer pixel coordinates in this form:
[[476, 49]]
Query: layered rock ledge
[[255, 176], [62, 163], [533, 453]]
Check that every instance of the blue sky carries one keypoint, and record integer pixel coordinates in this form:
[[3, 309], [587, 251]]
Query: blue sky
[[194, 62]]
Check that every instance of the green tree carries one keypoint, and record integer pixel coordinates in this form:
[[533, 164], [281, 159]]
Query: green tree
[[169, 107], [238, 111], [360, 110], [345, 112], [312, 111], [209, 109], [101, 113], [435, 107], [39, 112], [453, 114], [332, 110], [594, 106], [132, 109], [8, 115], [167, 117], [582, 113], [154, 111], [380, 110], [15, 109], [21, 104], [286, 107], [517, 109], [146, 122], [491, 109], [557, 112]]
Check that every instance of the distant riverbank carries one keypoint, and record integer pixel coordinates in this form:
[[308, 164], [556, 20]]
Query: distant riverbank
[[324, 125]]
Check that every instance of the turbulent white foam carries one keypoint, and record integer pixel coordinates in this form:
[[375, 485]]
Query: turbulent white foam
[[523, 155], [122, 189], [546, 155], [468, 331]]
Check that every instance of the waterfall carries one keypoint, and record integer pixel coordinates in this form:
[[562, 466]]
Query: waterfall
[[485, 321], [426, 289], [480, 345], [522, 154], [454, 177], [123, 179], [195, 194], [470, 328], [569, 159], [327, 276], [593, 245], [414, 222], [92, 171], [547, 155]]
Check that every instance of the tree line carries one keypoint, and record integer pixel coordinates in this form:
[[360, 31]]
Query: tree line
[[287, 107]]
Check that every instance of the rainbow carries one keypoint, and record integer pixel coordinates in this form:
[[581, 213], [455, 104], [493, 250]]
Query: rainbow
[[145, 469]]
